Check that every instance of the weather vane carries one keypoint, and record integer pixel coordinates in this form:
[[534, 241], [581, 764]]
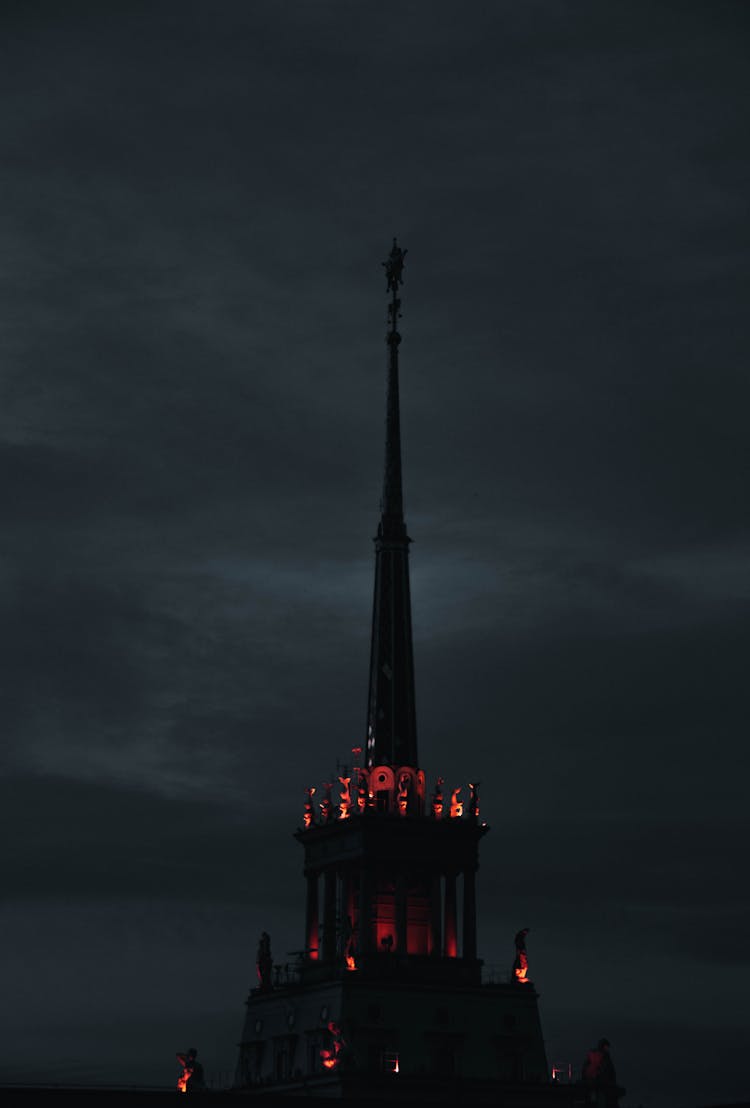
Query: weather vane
[[394, 267]]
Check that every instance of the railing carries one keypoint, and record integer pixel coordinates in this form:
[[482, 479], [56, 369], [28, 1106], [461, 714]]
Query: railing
[[495, 975]]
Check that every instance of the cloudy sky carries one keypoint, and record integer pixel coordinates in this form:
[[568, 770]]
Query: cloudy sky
[[195, 201]]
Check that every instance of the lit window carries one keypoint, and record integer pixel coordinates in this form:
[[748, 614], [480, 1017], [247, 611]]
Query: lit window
[[390, 1061]]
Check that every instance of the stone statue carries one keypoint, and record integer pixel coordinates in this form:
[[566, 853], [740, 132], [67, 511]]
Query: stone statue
[[349, 944], [264, 962], [598, 1073], [437, 799], [191, 1079], [361, 790], [394, 267], [474, 799], [521, 961], [404, 783], [334, 1044], [345, 798], [309, 813], [326, 805]]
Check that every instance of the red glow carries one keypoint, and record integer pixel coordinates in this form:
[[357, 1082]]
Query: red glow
[[187, 1063], [457, 808], [350, 962], [403, 793], [345, 800], [330, 1058], [309, 813], [521, 969]]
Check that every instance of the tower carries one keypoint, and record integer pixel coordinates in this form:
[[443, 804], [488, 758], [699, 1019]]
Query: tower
[[387, 999]]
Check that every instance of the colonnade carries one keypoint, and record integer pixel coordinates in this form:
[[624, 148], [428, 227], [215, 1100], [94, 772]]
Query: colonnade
[[339, 894]]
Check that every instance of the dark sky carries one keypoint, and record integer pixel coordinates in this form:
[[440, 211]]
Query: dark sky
[[194, 203]]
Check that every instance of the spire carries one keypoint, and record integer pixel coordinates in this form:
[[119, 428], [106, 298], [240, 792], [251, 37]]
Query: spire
[[392, 505], [391, 714]]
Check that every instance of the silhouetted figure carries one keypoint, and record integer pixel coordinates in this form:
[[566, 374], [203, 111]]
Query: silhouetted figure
[[264, 962], [404, 784], [191, 1079], [474, 800], [437, 799], [326, 805], [309, 813], [598, 1074], [521, 961], [349, 944], [333, 1045], [457, 807], [345, 798], [362, 790]]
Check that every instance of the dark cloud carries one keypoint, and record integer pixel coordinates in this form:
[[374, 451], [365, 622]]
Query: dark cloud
[[195, 207]]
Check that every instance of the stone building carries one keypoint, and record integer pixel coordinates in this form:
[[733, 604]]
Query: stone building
[[388, 999]]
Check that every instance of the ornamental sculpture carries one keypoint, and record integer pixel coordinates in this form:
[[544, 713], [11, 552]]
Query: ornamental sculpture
[[474, 799], [521, 961], [394, 267], [326, 805], [457, 807], [437, 799], [404, 783], [191, 1079], [362, 789], [308, 816], [264, 962], [345, 798]]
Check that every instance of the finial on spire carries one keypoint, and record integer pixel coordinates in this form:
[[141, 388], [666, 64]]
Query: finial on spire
[[394, 267]]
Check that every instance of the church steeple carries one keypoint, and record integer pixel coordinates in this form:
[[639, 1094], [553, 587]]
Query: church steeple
[[391, 712]]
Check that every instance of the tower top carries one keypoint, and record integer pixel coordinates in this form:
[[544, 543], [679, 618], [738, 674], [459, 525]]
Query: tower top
[[394, 267], [391, 713]]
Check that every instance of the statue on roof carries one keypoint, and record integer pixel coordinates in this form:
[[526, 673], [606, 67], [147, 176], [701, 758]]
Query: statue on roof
[[474, 799], [264, 962], [326, 805], [394, 267], [521, 961], [345, 798], [309, 811], [437, 799]]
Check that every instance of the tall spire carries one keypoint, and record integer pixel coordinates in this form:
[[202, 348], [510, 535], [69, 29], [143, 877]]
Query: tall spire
[[391, 712]]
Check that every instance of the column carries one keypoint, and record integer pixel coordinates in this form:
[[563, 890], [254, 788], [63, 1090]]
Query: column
[[451, 927], [401, 913], [470, 914], [329, 915], [311, 917], [436, 930]]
